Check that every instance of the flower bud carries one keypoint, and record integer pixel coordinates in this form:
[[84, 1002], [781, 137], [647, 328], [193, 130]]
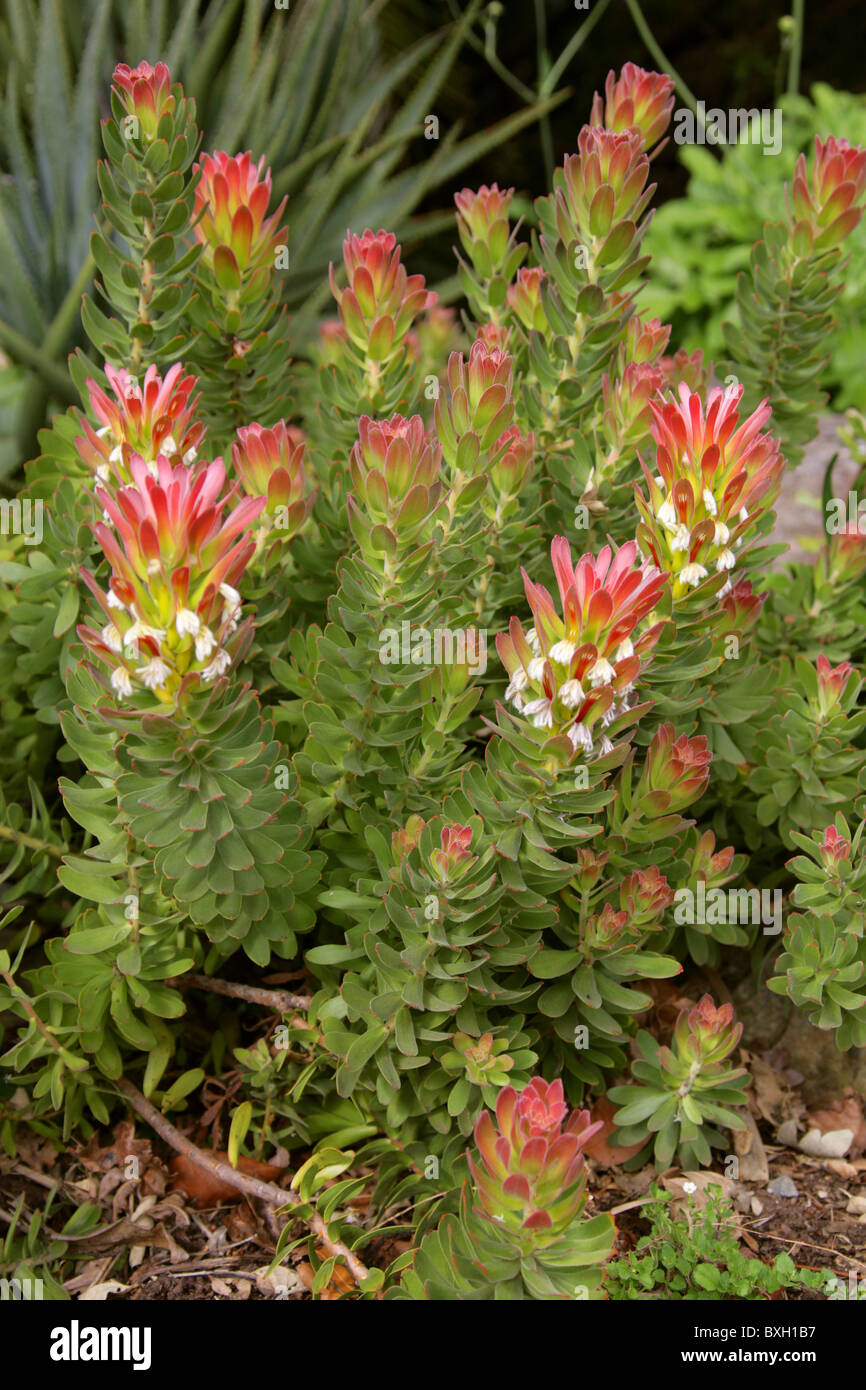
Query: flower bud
[[524, 298], [482, 224], [834, 849], [530, 1180], [270, 464], [144, 92], [636, 99], [832, 681], [239, 239]]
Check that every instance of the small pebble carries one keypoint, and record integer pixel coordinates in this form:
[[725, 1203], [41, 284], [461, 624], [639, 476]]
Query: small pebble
[[783, 1187], [857, 1206], [787, 1133], [757, 1206]]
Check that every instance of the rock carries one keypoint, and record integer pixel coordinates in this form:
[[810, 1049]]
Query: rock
[[783, 1187], [757, 1206], [857, 1206], [834, 1144], [787, 1134], [811, 1051]]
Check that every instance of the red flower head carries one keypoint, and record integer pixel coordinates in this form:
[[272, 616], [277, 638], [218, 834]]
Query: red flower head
[[608, 930], [143, 92], [627, 414], [686, 369], [645, 341], [270, 464], [589, 868], [172, 607], [705, 1033], [404, 840], [513, 454], [392, 460], [829, 207], [494, 335], [708, 866], [381, 301], [605, 159], [455, 855], [714, 478], [675, 773], [572, 671], [239, 238], [742, 609], [644, 895], [846, 553], [834, 848], [148, 419], [636, 99], [530, 1180], [832, 681]]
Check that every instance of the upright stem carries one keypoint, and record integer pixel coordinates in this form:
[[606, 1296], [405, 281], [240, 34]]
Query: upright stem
[[658, 56], [796, 54]]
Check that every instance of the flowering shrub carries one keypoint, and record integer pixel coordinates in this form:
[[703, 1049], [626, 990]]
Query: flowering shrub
[[286, 736]]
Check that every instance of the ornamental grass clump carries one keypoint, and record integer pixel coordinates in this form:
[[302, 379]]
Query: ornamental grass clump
[[435, 673]]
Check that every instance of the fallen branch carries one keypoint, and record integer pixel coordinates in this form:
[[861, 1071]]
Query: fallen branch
[[278, 999], [251, 1187]]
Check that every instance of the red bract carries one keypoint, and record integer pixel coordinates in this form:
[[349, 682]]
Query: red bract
[[152, 418], [645, 340], [714, 477], [270, 464], [172, 603], [238, 237], [570, 671], [380, 301], [144, 92], [636, 98], [531, 1178]]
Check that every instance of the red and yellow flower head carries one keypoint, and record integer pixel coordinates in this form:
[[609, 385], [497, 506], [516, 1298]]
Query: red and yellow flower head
[[714, 478], [148, 418], [530, 1179], [172, 607], [577, 669]]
